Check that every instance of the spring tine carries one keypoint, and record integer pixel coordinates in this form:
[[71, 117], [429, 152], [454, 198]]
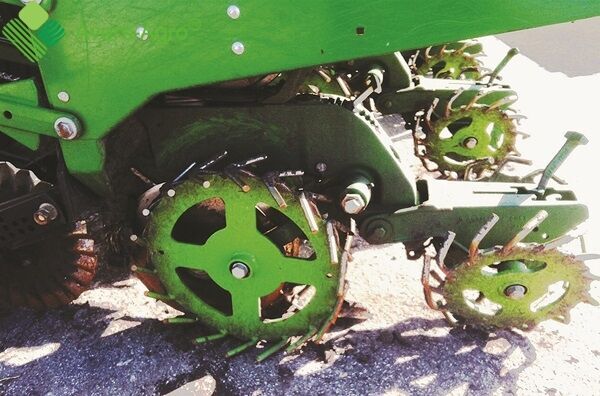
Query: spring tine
[[146, 180], [428, 53], [425, 282], [451, 102], [272, 350], [332, 243], [487, 227], [308, 213], [501, 102], [301, 341], [239, 349], [476, 99], [250, 161], [526, 230], [209, 338], [350, 236], [444, 250], [430, 113]]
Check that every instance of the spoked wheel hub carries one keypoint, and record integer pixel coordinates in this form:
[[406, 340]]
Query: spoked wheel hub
[[240, 263]]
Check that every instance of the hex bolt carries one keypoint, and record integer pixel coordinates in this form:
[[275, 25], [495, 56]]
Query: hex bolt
[[239, 270], [45, 214], [66, 128], [470, 143], [574, 139], [238, 48], [234, 12], [353, 203], [515, 292]]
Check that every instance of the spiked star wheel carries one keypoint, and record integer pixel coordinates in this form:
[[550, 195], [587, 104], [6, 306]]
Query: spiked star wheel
[[246, 264], [515, 286], [467, 142], [452, 61]]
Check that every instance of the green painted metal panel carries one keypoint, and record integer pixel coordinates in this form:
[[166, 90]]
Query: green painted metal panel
[[110, 72]]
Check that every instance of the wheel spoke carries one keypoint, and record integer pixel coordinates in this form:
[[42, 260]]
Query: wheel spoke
[[240, 215], [192, 256], [302, 272], [246, 305]]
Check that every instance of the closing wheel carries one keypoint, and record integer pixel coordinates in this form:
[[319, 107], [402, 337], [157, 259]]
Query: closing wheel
[[240, 263]]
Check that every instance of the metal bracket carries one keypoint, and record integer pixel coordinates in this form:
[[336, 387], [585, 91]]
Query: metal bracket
[[33, 119]]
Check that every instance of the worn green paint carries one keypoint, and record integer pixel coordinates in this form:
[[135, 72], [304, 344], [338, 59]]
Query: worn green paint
[[535, 270], [241, 241], [466, 206]]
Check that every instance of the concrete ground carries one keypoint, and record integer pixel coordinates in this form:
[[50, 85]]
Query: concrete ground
[[111, 342]]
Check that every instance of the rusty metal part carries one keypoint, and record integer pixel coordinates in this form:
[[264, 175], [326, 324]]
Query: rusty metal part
[[51, 273]]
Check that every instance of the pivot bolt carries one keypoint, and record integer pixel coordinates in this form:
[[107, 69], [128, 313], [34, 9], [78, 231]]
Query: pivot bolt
[[471, 143], [516, 292], [45, 214], [66, 128], [240, 270], [353, 203]]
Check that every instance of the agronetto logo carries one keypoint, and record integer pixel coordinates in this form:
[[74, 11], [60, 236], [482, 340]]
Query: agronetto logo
[[33, 32]]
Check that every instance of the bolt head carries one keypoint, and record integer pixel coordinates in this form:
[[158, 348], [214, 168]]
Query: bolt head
[[321, 167], [577, 137], [239, 270], [353, 204], [471, 143], [238, 48], [66, 128], [141, 33], [234, 12], [45, 214], [64, 96], [515, 292]]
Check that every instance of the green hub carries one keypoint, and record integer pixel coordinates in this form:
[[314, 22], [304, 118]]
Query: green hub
[[231, 259], [480, 137], [519, 289]]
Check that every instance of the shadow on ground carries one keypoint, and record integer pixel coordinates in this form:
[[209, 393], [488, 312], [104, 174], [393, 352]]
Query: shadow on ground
[[94, 350]]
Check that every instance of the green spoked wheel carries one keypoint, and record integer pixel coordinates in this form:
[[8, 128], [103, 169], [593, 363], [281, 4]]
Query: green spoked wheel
[[471, 139], [516, 290], [242, 264]]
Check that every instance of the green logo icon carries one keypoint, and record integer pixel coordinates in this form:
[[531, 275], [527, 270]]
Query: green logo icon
[[33, 32]]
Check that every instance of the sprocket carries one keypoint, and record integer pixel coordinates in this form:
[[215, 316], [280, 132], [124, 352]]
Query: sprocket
[[51, 272]]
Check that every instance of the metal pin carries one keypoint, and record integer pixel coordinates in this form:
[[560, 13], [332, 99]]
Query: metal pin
[[209, 338], [272, 350], [333, 245], [324, 75], [527, 229], [242, 348], [487, 227], [308, 213], [180, 320], [158, 296], [344, 86]]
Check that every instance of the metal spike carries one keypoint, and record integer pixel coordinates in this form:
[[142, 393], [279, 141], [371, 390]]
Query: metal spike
[[209, 338], [587, 257], [180, 320], [444, 250], [239, 349], [272, 350], [308, 213], [476, 99], [301, 341], [563, 318], [487, 227], [277, 196], [451, 102], [507, 100], [428, 53], [333, 245], [159, 297], [526, 230]]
